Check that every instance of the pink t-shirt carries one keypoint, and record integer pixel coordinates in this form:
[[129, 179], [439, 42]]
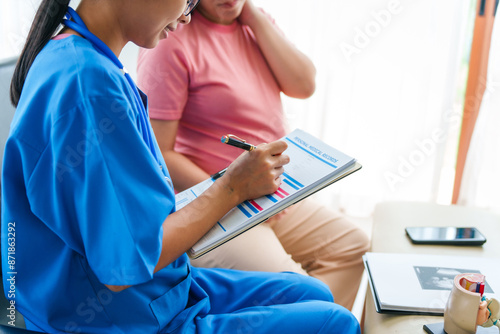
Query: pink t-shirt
[[214, 79], [61, 36]]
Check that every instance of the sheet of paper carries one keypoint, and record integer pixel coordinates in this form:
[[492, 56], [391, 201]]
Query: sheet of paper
[[312, 164]]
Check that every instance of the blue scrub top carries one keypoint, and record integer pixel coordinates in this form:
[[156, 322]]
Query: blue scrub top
[[86, 200]]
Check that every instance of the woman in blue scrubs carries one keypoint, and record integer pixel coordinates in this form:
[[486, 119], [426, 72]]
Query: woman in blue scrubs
[[91, 240]]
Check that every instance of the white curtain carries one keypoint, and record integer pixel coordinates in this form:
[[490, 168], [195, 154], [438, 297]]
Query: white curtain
[[388, 74], [481, 178], [15, 22], [16, 17]]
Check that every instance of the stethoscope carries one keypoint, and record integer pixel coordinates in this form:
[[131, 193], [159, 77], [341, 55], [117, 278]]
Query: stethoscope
[[79, 26]]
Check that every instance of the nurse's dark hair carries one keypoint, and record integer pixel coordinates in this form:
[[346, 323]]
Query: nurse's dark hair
[[47, 20]]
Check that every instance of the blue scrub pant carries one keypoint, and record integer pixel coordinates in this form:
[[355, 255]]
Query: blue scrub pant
[[259, 302]]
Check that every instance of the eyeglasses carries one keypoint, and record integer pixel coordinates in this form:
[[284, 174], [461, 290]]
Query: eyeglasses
[[191, 5]]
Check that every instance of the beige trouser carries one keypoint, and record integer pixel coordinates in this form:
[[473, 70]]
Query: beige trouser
[[308, 239]]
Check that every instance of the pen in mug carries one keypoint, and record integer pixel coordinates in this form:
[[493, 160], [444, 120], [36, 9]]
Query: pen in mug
[[236, 142]]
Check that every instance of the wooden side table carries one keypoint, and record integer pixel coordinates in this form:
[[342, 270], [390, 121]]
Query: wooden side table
[[388, 236]]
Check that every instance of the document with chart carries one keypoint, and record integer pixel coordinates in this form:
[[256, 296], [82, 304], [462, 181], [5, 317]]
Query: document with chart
[[313, 166], [421, 283]]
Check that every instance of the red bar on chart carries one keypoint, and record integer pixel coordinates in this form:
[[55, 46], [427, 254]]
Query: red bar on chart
[[255, 204], [279, 194], [282, 191]]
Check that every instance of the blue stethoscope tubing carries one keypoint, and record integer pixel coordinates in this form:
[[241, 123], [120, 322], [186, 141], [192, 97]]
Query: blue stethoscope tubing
[[79, 26]]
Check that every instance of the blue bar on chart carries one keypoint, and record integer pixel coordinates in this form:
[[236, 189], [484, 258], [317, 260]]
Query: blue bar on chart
[[288, 180], [222, 227], [251, 207], [245, 212], [274, 200], [291, 184]]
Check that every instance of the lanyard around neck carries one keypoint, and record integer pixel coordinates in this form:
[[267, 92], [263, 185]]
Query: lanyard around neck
[[79, 26]]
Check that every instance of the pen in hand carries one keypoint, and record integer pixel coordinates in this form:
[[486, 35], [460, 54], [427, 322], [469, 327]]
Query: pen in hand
[[236, 142], [218, 174]]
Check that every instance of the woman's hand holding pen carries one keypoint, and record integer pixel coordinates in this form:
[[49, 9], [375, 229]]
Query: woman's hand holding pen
[[256, 173], [253, 174]]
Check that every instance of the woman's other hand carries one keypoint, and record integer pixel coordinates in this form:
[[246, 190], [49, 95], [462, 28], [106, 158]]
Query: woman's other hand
[[248, 13]]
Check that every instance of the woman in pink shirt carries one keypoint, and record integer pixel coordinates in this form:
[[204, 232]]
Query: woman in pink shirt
[[223, 74]]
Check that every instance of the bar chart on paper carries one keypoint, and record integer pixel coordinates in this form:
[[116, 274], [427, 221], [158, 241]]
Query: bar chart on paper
[[245, 210], [313, 165], [255, 206]]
